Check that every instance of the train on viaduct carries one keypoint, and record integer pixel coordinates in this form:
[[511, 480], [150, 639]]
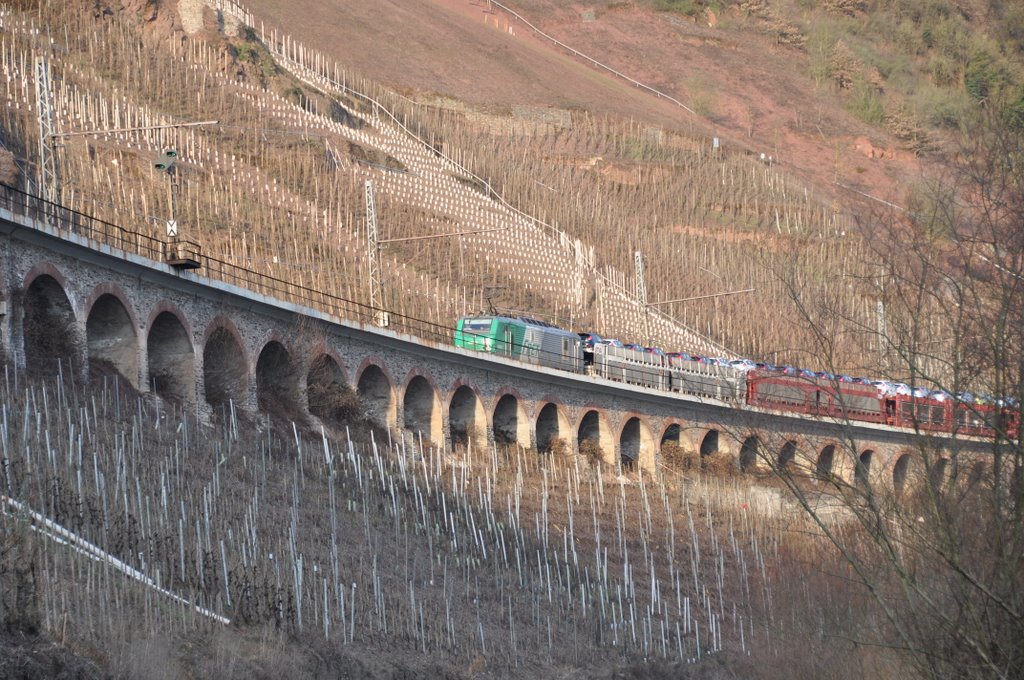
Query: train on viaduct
[[71, 295]]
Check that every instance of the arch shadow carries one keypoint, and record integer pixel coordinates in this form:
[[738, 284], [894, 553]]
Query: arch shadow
[[594, 437], [111, 339], [467, 421], [421, 409], [48, 326], [375, 391], [225, 368], [509, 422], [551, 430], [172, 361]]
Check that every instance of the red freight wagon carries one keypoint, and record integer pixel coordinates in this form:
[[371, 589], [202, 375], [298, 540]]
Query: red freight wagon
[[815, 397]]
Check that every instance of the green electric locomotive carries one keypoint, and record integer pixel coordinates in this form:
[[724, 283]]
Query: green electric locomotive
[[528, 340]]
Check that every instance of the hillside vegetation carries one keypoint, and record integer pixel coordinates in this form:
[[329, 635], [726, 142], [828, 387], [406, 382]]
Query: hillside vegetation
[[276, 184], [236, 551], [915, 68]]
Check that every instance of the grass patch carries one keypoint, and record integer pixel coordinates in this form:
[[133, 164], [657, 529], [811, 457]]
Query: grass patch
[[867, 104], [689, 8]]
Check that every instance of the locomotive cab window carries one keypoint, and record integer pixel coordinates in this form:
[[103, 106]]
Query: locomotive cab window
[[477, 325]]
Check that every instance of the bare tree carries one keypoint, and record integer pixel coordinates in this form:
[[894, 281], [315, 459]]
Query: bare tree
[[940, 552]]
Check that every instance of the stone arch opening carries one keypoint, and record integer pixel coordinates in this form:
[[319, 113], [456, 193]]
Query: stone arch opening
[[673, 434], [328, 396], [749, 452], [509, 422], [937, 475], [977, 473], [277, 379], [787, 455], [376, 394], [862, 475], [826, 462], [48, 325], [636, 445], [111, 340], [671, 446], [551, 430], [593, 438], [225, 377], [899, 474], [421, 410], [172, 362], [467, 421], [709, 445]]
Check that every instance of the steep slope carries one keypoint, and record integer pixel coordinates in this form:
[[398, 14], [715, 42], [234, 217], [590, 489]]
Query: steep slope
[[184, 550], [742, 86], [298, 181], [541, 209]]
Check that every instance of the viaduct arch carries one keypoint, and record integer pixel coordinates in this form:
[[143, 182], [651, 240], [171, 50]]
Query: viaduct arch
[[509, 422], [171, 364]]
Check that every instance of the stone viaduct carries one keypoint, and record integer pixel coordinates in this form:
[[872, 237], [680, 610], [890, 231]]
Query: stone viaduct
[[208, 344]]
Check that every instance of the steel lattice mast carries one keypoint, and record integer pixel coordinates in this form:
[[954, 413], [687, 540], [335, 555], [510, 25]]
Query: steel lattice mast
[[373, 257], [641, 293], [49, 183]]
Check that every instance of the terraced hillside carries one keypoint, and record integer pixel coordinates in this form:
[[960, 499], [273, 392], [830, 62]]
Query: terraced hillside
[[547, 202], [276, 184]]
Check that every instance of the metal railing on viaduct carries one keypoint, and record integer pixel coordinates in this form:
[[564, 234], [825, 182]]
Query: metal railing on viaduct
[[203, 332]]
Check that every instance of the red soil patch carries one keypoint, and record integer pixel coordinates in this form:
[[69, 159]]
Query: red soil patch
[[752, 93]]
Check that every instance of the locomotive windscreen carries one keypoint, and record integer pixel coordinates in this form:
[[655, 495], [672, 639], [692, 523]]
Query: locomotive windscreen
[[477, 325]]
